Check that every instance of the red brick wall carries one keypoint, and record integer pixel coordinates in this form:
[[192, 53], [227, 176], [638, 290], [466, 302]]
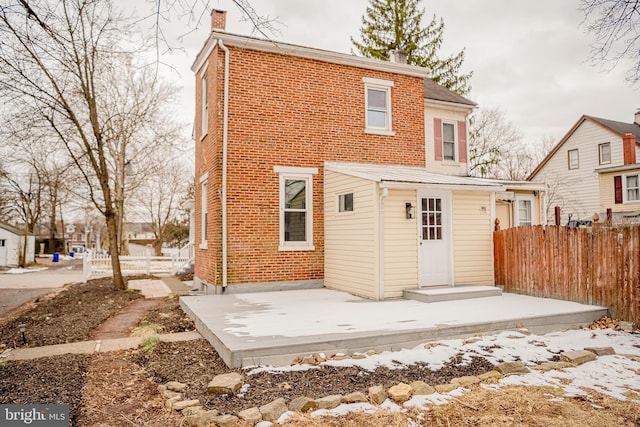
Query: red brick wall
[[287, 111]]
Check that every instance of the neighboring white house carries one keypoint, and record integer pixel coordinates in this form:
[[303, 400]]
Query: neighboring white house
[[11, 245], [572, 168]]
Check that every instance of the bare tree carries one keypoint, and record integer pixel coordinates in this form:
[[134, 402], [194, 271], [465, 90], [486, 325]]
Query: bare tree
[[59, 64], [491, 139], [615, 25]]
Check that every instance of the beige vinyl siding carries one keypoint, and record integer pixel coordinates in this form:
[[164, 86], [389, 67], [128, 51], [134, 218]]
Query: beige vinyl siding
[[351, 239], [576, 190], [607, 193], [472, 238], [400, 244], [444, 167]]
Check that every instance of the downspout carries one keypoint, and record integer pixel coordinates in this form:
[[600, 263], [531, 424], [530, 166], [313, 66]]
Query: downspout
[[385, 193], [225, 131]]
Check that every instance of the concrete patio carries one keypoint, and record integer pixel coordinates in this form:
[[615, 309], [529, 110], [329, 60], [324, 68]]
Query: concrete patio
[[276, 327]]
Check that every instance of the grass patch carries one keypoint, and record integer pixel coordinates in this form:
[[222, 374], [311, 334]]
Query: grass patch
[[149, 343]]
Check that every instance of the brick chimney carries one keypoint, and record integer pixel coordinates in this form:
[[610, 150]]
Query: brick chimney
[[218, 20], [629, 148]]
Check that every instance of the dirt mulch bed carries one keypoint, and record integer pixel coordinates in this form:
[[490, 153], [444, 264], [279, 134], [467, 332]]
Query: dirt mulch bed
[[167, 318], [196, 363], [68, 316]]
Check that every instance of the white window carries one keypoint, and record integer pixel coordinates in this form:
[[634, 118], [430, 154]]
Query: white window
[[573, 159], [524, 210], [632, 188], [378, 106], [296, 208], [604, 153], [345, 202], [204, 80], [204, 210], [449, 141]]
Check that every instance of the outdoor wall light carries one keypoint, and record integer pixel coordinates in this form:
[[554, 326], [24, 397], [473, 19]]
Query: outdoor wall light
[[23, 328], [409, 210]]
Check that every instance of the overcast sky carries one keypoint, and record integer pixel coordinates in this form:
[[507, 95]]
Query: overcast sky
[[529, 58]]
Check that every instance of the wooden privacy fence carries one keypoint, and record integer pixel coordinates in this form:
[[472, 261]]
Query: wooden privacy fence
[[598, 265]]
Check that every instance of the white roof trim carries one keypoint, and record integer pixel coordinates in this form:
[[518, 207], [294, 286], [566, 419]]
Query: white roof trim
[[305, 52]]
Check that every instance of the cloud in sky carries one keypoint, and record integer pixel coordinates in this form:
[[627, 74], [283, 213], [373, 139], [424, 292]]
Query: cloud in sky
[[528, 58]]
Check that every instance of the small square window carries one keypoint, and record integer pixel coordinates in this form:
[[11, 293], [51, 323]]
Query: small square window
[[573, 159], [345, 202], [604, 153]]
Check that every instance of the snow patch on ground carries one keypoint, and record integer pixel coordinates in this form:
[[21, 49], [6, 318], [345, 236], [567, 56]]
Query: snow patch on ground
[[24, 270]]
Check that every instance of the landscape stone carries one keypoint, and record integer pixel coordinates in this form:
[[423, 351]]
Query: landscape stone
[[626, 326], [371, 353], [201, 419], [445, 388], [471, 340], [340, 356], [302, 404], [420, 388], [308, 360], [272, 411], [490, 376], [329, 402], [601, 351], [633, 357], [226, 420], [400, 392], [358, 356], [577, 357], [176, 386], [355, 397], [192, 410], [225, 384], [551, 366], [433, 344], [512, 368], [377, 394], [465, 381], [252, 414], [169, 402], [168, 394], [183, 404]]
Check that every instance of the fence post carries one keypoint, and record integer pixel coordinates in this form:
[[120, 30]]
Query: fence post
[[148, 262], [556, 213], [86, 266]]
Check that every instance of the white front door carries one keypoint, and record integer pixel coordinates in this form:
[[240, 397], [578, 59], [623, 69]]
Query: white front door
[[434, 228]]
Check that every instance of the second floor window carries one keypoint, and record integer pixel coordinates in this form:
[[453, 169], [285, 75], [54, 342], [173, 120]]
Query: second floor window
[[449, 141], [604, 153], [378, 106], [573, 159]]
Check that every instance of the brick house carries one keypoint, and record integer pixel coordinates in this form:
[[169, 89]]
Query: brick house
[[273, 119]]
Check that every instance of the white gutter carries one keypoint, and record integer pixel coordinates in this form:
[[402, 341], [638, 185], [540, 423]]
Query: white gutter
[[385, 193], [225, 132], [459, 187]]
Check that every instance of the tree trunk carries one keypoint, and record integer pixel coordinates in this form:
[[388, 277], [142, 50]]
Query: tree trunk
[[112, 229]]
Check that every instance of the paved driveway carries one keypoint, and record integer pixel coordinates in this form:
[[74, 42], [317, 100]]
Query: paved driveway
[[17, 289]]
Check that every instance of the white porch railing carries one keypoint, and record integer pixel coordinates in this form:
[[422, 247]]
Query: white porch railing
[[97, 265]]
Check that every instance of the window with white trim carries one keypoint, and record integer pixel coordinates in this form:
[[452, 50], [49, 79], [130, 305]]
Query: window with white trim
[[524, 210], [345, 203], [573, 160], [204, 210], [632, 188], [296, 207], [204, 83], [604, 153], [449, 141], [377, 94]]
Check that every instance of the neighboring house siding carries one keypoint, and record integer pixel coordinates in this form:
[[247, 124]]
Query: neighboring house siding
[[607, 193], [400, 244], [576, 190], [351, 253], [447, 115], [472, 238], [292, 112]]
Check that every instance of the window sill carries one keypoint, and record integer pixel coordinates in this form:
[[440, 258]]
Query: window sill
[[289, 248], [379, 132], [203, 245]]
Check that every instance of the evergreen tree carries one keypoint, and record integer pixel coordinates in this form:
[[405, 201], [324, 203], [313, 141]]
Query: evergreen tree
[[397, 24]]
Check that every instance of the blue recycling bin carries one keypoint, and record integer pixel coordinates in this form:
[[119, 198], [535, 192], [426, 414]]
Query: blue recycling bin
[[71, 254], [56, 257]]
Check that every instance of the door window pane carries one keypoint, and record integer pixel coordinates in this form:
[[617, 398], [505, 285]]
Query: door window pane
[[431, 219]]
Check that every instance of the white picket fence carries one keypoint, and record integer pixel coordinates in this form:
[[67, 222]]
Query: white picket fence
[[97, 265]]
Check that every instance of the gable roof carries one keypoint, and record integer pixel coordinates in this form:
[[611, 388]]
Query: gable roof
[[434, 91], [618, 128], [12, 229]]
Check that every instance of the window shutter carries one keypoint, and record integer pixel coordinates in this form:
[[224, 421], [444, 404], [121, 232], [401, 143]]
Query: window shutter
[[617, 185], [437, 137], [462, 142]]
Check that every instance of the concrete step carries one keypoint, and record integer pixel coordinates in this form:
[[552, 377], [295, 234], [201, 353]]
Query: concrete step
[[451, 293]]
